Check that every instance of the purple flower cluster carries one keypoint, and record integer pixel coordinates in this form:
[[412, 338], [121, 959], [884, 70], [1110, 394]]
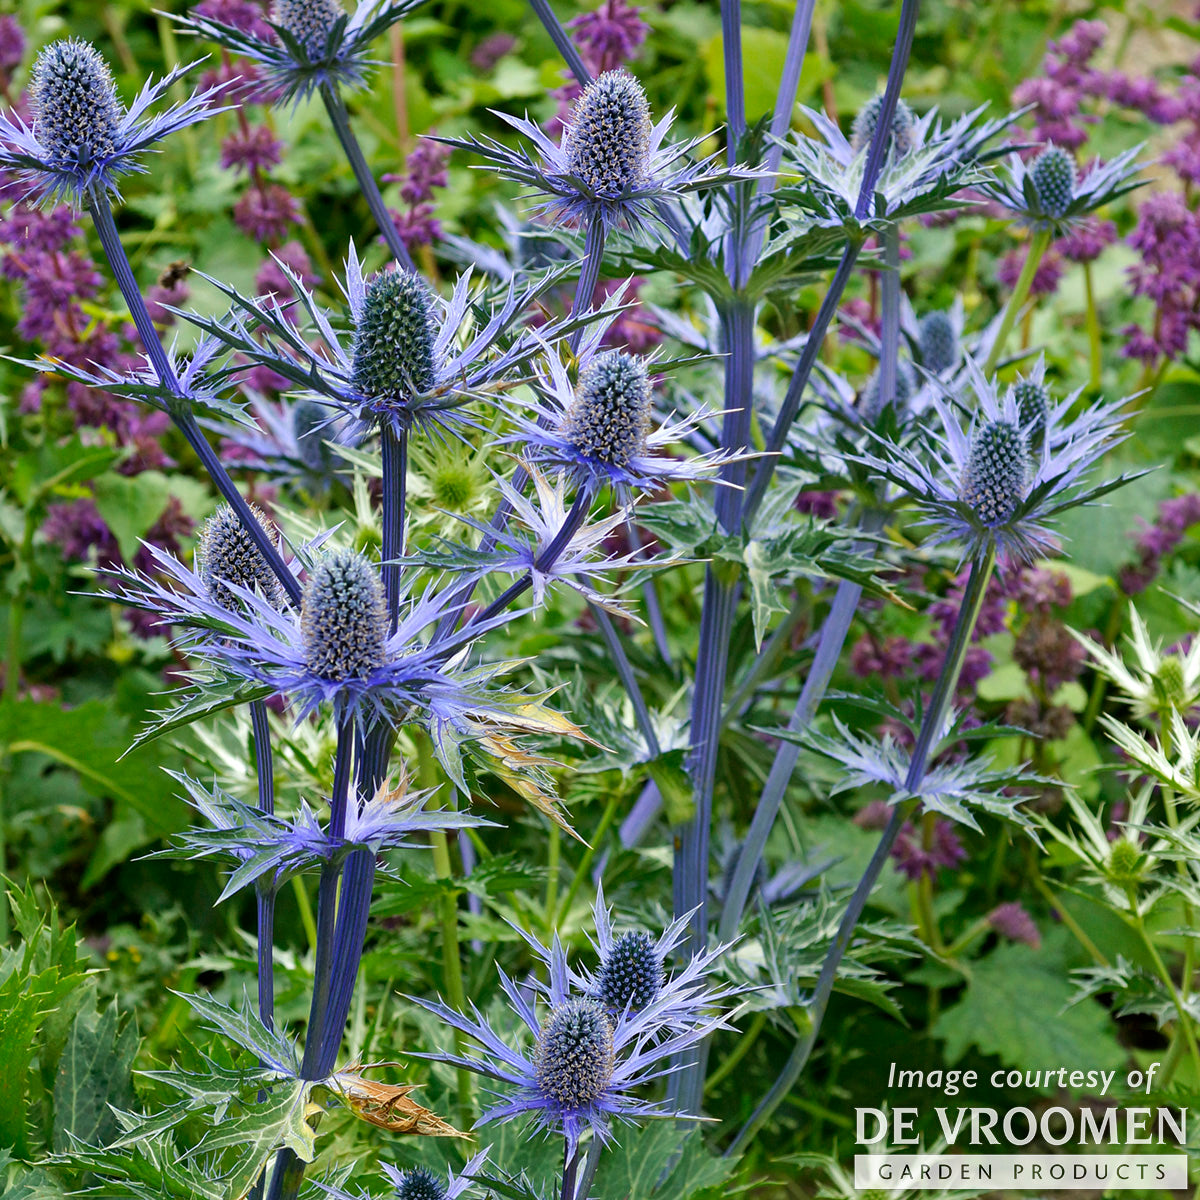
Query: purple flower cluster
[[1158, 539], [44, 253], [1012, 921], [912, 856], [1167, 235], [425, 170], [607, 38]]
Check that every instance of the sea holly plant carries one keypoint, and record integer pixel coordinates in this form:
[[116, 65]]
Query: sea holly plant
[[382, 703]]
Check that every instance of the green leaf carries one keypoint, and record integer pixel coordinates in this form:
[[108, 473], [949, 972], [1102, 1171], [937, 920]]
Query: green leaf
[[97, 741], [93, 1073], [637, 1164], [130, 504], [1017, 1008]]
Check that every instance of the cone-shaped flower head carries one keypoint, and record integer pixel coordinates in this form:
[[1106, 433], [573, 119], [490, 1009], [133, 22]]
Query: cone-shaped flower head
[[939, 342], [872, 401], [574, 1060], [227, 554], [608, 139], [631, 974], [419, 1184], [310, 426], [993, 483], [1053, 176], [343, 617], [76, 111], [610, 417], [1033, 403], [393, 344], [867, 121], [310, 22]]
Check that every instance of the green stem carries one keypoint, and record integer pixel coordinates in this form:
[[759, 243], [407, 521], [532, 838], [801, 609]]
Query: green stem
[[1093, 328], [589, 855], [304, 904], [1064, 915], [451, 957], [1185, 1020], [735, 1056], [1012, 310], [553, 859]]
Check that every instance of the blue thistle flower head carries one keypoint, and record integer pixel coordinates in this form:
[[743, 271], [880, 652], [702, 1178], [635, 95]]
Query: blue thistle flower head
[[1053, 175], [394, 340], [598, 429], [607, 143], [589, 1062], [906, 387], [573, 1059], [226, 554], [902, 137], [994, 481], [610, 417], [976, 480], [82, 138], [74, 98], [938, 342], [318, 42], [343, 617], [419, 1184], [310, 429], [1048, 193], [310, 22], [1033, 407], [630, 974]]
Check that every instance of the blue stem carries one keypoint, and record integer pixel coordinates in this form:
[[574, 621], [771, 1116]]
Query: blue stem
[[829, 649], [872, 168], [781, 120], [395, 487], [179, 406], [889, 352], [737, 327], [799, 381], [932, 726], [562, 41], [335, 106], [735, 91], [887, 111], [625, 669], [548, 557], [327, 903], [266, 895], [589, 274]]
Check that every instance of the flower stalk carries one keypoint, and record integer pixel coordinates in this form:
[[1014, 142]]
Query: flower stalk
[[1038, 246], [932, 728]]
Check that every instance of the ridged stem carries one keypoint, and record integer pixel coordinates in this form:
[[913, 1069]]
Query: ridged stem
[[335, 106], [932, 726], [548, 557], [1012, 310], [620, 659], [395, 487], [799, 381], [562, 41], [266, 895], [737, 327], [781, 121], [889, 351], [829, 649], [887, 109], [589, 274], [735, 89], [180, 409]]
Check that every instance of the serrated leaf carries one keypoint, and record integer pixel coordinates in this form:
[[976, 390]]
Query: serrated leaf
[[93, 1073], [640, 1164], [1017, 1007]]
